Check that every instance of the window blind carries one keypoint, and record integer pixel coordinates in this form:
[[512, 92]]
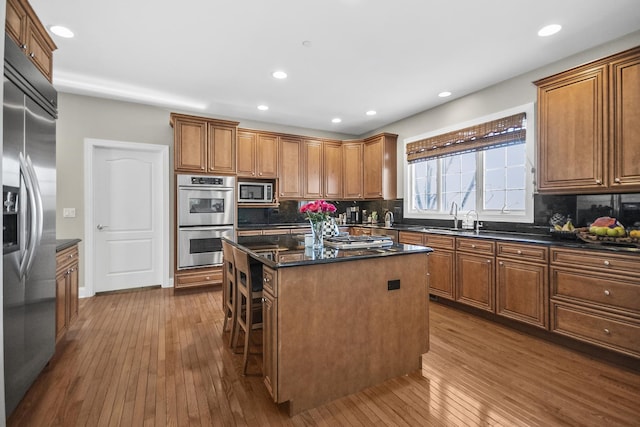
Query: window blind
[[509, 130]]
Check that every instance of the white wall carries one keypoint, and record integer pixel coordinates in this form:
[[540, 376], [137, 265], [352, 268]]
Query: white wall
[[510, 93], [81, 117]]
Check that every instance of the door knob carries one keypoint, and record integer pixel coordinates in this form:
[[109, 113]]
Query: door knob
[[101, 227]]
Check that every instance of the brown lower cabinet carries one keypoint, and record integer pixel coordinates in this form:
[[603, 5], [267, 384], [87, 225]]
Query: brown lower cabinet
[[475, 273], [66, 289], [595, 298], [198, 277]]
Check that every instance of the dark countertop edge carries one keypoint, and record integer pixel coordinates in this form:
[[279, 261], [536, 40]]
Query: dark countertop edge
[[62, 244], [484, 234], [383, 252]]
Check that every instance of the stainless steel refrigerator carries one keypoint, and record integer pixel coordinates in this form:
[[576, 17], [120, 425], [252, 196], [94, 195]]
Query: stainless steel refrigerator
[[29, 234]]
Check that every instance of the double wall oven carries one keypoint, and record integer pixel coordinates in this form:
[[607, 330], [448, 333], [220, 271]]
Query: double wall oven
[[206, 206]]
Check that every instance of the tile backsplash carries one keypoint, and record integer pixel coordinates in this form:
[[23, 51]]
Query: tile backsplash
[[583, 209]]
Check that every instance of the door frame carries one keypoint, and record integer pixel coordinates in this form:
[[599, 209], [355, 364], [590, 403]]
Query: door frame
[[90, 145]]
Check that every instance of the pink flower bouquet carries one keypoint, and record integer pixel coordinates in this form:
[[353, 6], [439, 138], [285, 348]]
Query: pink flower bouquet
[[317, 211]]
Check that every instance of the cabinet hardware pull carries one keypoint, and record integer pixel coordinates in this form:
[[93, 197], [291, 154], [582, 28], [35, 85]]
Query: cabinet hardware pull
[[501, 263], [606, 292], [599, 182], [607, 263], [519, 252], [23, 46], [488, 261], [607, 331], [32, 55], [208, 278], [617, 180], [473, 246]]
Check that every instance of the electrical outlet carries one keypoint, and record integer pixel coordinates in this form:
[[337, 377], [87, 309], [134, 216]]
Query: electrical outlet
[[69, 212], [393, 285]]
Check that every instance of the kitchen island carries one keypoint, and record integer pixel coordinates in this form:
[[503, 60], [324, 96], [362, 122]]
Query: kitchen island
[[337, 321]]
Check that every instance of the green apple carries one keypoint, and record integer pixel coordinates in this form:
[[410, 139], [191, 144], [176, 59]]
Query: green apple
[[621, 232], [593, 229], [612, 232], [601, 231]]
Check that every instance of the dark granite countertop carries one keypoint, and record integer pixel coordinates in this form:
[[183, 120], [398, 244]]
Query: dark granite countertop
[[288, 251], [483, 234], [62, 244]]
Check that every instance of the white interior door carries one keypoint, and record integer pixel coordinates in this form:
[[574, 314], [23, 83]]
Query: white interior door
[[127, 209]]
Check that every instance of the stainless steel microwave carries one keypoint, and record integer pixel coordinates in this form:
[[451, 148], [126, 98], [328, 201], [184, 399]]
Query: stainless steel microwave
[[255, 192]]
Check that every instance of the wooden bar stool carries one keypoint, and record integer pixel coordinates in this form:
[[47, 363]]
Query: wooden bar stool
[[228, 288], [248, 302]]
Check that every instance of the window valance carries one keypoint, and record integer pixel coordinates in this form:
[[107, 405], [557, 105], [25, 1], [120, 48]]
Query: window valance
[[505, 131]]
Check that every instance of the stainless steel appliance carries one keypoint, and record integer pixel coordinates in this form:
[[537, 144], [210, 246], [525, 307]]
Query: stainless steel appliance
[[357, 242], [201, 246], [206, 213], [29, 234], [255, 192]]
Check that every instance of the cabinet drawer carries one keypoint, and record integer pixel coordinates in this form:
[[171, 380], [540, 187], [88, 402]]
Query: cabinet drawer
[[440, 242], [200, 278], [269, 280], [275, 231], [249, 232], [596, 327], [410, 238], [66, 257], [476, 246], [600, 260], [590, 287], [522, 252]]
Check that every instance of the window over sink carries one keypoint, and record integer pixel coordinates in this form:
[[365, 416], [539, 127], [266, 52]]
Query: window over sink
[[484, 165]]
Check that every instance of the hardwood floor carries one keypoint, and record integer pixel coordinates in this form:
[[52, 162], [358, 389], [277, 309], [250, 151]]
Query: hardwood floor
[[153, 358]]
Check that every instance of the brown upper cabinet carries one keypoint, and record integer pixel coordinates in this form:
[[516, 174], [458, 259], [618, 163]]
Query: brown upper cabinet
[[352, 170], [24, 27], [588, 130], [204, 145], [379, 161], [332, 168], [257, 154], [291, 167], [313, 171]]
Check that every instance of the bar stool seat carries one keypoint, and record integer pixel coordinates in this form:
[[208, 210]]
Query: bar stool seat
[[248, 302]]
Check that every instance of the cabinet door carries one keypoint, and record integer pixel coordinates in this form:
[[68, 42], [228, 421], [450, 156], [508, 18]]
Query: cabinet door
[[290, 161], [475, 281], [313, 169], [372, 163], [332, 170], [221, 149], [522, 292], [267, 156], [442, 273], [190, 145], [625, 103], [38, 50], [269, 344], [352, 170], [572, 126], [246, 153], [72, 282], [61, 303], [15, 24]]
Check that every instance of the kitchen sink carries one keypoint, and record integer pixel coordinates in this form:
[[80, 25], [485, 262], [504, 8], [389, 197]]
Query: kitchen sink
[[442, 230]]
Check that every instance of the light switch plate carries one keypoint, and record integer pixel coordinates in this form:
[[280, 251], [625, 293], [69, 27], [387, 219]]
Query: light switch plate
[[69, 212]]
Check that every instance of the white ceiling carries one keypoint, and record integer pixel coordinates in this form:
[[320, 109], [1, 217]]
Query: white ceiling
[[215, 57]]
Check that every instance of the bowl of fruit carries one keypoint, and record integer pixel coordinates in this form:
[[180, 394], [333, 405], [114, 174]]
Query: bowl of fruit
[[608, 230]]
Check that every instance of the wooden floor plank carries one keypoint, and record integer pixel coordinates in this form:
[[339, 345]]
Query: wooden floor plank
[[155, 358]]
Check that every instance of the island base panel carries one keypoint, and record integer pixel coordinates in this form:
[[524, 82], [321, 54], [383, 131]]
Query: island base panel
[[340, 328]]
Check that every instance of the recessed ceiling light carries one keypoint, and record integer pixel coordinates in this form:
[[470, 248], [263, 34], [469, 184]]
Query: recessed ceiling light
[[549, 30], [371, 113], [306, 43], [336, 120], [279, 75], [61, 31], [263, 107], [444, 94]]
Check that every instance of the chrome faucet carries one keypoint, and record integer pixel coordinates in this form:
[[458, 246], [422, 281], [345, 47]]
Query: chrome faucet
[[454, 212]]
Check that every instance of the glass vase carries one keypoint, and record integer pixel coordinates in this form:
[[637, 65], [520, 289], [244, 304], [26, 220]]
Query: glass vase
[[316, 230]]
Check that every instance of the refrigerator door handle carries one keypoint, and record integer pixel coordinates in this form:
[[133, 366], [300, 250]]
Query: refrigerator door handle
[[30, 236], [39, 213]]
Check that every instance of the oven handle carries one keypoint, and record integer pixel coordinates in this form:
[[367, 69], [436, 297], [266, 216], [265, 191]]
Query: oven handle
[[199, 187], [206, 228]]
